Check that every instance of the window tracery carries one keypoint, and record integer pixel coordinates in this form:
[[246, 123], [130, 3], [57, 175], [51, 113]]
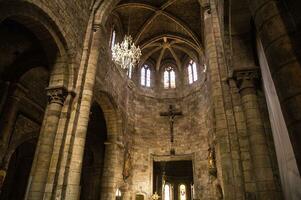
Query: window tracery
[[169, 77], [145, 76]]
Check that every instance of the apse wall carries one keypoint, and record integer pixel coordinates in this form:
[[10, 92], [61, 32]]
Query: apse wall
[[151, 137]]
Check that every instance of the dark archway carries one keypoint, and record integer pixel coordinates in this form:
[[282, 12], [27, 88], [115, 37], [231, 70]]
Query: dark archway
[[93, 162], [14, 187], [24, 75]]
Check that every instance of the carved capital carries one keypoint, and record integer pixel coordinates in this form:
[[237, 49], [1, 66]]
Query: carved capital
[[57, 95], [247, 78]]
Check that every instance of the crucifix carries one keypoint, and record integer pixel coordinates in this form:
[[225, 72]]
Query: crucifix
[[171, 114]]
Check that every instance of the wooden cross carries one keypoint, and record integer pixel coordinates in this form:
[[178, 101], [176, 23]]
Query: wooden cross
[[171, 114]]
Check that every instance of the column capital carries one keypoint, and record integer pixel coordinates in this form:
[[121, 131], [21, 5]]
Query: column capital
[[56, 95], [247, 78]]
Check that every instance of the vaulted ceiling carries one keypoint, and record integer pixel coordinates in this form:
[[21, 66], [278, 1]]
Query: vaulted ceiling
[[165, 30]]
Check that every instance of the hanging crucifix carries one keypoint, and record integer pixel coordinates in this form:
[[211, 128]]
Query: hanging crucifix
[[171, 114]]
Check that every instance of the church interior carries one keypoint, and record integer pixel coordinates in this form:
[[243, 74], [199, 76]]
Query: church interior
[[150, 100]]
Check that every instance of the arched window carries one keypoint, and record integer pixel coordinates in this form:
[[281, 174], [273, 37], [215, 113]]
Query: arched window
[[167, 192], [169, 77], [129, 71], [192, 72], [118, 194], [182, 192], [113, 38], [145, 76]]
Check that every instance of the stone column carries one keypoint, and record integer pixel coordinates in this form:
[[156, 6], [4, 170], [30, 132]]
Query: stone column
[[41, 165], [108, 185], [73, 164], [262, 167], [9, 115], [281, 42], [226, 141]]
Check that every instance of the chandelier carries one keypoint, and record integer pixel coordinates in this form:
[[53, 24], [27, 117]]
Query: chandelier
[[126, 54]]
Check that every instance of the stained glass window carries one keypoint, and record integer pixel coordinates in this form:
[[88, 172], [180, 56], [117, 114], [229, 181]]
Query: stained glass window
[[182, 192], [169, 77], [167, 191], [145, 76], [118, 193], [192, 72], [113, 38]]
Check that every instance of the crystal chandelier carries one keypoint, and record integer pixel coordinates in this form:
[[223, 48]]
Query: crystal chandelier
[[126, 54]]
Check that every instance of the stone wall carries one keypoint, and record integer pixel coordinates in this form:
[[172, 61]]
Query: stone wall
[[70, 16], [152, 136]]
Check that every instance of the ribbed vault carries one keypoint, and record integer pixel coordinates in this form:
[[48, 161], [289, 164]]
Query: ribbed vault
[[165, 30]]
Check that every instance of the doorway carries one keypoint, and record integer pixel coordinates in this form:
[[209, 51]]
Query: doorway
[[173, 180]]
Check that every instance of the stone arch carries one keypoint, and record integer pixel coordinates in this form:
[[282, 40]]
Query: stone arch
[[104, 10], [49, 35], [15, 145], [111, 114], [94, 154], [114, 146], [19, 167]]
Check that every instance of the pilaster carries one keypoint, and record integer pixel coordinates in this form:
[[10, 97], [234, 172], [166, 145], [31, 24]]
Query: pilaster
[[44, 150], [264, 186]]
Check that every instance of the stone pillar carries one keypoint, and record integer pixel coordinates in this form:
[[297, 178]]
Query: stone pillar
[[244, 144], [69, 187], [41, 165], [108, 178], [262, 166], [231, 180], [9, 115], [281, 43]]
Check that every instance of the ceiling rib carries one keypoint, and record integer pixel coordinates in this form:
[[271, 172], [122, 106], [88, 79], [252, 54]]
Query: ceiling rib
[[137, 5], [159, 11], [175, 57], [146, 56], [158, 64], [174, 37], [145, 25], [190, 53], [167, 4], [152, 18]]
